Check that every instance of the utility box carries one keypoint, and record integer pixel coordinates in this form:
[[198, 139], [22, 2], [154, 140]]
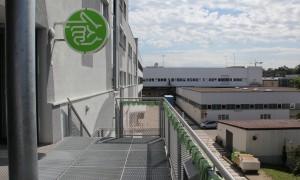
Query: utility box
[[170, 99], [190, 171]]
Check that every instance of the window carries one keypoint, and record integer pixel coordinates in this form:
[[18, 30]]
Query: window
[[122, 38], [105, 11], [230, 106], [124, 76], [208, 106], [237, 106], [223, 117], [129, 50], [259, 106], [265, 116], [125, 10], [223, 106]]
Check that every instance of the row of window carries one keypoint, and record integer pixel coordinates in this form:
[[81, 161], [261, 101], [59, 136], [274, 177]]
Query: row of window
[[226, 116], [128, 80], [195, 79], [239, 106]]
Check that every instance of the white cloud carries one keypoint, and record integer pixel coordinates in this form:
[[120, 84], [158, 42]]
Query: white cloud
[[216, 24]]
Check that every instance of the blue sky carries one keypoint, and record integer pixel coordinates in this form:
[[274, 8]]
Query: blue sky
[[201, 33]]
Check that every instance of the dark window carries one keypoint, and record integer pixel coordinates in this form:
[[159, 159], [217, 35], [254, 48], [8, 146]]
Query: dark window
[[208, 106], [230, 106], [245, 106], [237, 106], [259, 106]]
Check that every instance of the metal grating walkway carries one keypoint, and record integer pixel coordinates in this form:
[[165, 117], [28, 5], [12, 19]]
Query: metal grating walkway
[[93, 158]]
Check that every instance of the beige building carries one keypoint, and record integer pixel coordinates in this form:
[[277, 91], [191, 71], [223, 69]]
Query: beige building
[[270, 82], [262, 138]]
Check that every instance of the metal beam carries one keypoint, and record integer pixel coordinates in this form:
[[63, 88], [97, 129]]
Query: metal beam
[[21, 89]]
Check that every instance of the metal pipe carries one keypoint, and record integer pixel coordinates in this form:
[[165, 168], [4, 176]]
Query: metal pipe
[[21, 89]]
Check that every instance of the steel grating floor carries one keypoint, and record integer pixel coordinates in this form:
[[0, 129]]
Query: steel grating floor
[[120, 159]]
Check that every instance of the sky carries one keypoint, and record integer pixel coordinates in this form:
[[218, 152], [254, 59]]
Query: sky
[[216, 33]]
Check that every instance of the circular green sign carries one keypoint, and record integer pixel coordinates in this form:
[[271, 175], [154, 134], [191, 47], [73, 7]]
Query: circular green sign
[[86, 31]]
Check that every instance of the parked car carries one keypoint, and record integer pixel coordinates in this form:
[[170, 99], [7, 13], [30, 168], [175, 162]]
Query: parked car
[[209, 124]]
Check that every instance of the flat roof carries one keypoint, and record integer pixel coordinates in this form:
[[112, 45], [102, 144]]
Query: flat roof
[[242, 89], [263, 124]]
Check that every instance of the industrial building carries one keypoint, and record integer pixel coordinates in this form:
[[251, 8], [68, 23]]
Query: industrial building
[[90, 81], [159, 81], [246, 103], [262, 138]]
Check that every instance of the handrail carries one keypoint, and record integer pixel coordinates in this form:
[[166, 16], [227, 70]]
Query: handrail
[[206, 150], [77, 115]]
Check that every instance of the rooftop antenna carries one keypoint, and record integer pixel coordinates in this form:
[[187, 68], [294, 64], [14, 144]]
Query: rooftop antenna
[[256, 62], [163, 56]]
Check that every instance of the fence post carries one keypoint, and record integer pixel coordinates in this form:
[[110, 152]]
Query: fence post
[[169, 148], [121, 121], [179, 158], [81, 130]]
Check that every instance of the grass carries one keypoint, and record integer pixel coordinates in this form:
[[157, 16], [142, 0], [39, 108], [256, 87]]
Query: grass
[[279, 172]]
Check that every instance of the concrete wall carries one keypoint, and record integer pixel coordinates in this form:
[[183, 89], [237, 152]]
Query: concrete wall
[[192, 111]]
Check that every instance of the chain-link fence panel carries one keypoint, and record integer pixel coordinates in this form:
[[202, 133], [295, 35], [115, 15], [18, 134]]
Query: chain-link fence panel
[[141, 120]]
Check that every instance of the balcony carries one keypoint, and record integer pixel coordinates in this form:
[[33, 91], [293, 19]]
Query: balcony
[[150, 141]]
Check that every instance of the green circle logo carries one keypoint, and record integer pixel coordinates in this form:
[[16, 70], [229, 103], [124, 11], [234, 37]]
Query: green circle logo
[[86, 31]]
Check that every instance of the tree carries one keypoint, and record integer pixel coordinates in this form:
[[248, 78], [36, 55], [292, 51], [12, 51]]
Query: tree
[[295, 82], [294, 155]]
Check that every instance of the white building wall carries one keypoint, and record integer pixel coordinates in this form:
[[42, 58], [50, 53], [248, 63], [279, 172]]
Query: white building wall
[[237, 98], [239, 136], [203, 75], [269, 143], [248, 114], [85, 79]]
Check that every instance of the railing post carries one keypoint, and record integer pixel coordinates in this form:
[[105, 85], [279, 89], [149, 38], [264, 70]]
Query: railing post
[[81, 130], [169, 138], [69, 129], [121, 121], [179, 158]]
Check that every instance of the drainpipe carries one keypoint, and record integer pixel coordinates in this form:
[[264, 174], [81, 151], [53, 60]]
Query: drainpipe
[[21, 89]]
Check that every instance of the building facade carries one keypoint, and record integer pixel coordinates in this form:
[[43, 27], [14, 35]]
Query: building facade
[[91, 82], [159, 81], [264, 139], [238, 103]]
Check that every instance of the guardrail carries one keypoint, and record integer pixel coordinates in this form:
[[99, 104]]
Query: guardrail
[[156, 117]]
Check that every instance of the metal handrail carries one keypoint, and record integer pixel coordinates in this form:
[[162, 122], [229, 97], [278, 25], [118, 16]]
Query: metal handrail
[[225, 173], [222, 169], [77, 115]]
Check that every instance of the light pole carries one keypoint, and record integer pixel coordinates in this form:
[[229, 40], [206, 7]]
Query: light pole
[[233, 59], [226, 60], [163, 56]]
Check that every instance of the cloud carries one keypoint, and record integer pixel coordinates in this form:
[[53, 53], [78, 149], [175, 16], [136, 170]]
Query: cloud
[[235, 25]]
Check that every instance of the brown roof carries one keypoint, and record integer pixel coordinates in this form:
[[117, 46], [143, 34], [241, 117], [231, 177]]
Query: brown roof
[[242, 89], [263, 124]]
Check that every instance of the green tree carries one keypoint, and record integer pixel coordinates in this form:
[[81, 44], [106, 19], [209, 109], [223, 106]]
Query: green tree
[[294, 155], [295, 82]]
